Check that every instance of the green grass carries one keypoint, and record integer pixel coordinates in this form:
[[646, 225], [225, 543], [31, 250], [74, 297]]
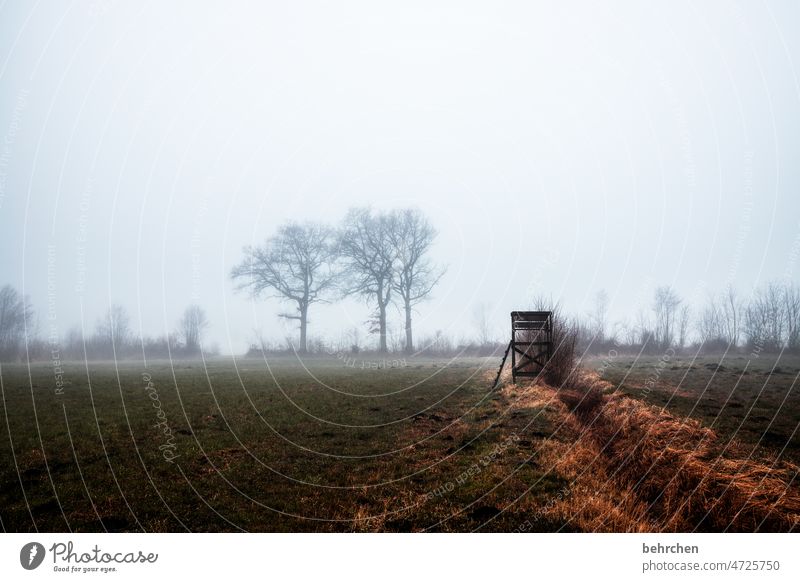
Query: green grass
[[755, 399], [278, 448], [326, 447]]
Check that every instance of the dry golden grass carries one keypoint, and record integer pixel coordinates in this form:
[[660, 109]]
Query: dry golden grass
[[635, 468]]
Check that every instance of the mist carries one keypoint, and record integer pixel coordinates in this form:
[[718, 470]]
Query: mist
[[556, 150]]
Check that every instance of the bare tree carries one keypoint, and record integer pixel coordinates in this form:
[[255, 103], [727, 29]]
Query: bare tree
[[438, 344], [683, 326], [113, 329], [731, 315], [630, 333], [367, 248], [599, 315], [395, 339], [772, 317], [355, 340], [191, 328], [296, 265], [764, 318], [665, 306], [791, 301], [720, 322], [480, 316], [415, 276], [709, 325], [644, 328], [73, 343], [15, 316]]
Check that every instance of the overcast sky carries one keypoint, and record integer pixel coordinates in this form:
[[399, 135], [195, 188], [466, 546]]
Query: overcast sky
[[558, 147]]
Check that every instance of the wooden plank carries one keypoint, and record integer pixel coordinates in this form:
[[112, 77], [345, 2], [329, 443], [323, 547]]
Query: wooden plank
[[536, 349]]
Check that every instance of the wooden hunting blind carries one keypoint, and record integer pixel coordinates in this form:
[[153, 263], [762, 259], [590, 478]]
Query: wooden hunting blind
[[531, 342]]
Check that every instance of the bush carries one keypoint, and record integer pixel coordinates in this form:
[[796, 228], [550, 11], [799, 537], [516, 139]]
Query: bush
[[562, 365]]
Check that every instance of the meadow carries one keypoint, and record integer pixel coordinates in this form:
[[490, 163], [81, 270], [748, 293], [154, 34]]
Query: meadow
[[754, 399], [327, 445]]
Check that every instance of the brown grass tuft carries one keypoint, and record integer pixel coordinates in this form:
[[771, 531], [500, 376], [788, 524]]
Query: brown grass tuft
[[689, 481], [635, 468]]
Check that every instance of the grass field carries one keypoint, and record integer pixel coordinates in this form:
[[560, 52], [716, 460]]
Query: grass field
[[755, 400], [245, 445]]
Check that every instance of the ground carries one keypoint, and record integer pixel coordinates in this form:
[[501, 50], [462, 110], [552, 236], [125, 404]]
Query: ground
[[752, 397], [324, 445]]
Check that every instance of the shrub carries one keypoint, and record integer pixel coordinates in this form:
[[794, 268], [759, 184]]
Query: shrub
[[562, 365]]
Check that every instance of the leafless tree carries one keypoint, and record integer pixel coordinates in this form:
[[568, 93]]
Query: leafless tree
[[709, 325], [480, 316], [436, 345], [731, 315], [395, 339], [772, 317], [367, 248], [644, 328], [113, 329], [598, 316], [791, 301], [297, 265], [15, 316], [683, 326], [615, 332], [720, 321], [191, 327], [415, 276], [765, 317], [630, 333], [73, 345], [355, 340], [665, 307]]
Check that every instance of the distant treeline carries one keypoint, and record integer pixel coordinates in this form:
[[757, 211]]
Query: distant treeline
[[22, 336], [766, 321]]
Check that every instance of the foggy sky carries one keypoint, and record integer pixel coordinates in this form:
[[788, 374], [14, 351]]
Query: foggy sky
[[559, 148]]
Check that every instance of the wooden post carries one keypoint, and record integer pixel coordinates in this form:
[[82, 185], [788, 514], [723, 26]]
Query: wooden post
[[513, 351]]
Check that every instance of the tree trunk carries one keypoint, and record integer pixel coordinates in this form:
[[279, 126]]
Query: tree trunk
[[303, 326], [409, 337], [382, 322]]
